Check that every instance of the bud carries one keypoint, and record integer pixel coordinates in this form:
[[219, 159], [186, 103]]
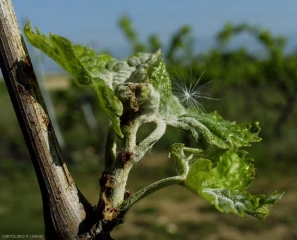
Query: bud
[[138, 97], [148, 98]]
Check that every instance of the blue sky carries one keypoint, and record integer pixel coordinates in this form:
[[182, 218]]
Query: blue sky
[[95, 22]]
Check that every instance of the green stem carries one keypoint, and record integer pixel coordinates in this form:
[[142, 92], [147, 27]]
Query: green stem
[[146, 144], [134, 198], [114, 179], [110, 148]]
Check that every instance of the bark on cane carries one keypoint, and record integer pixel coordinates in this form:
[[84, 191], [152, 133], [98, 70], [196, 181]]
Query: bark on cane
[[66, 211]]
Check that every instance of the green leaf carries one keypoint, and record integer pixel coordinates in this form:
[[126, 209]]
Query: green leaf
[[210, 130], [161, 81], [173, 107], [230, 201], [61, 51], [159, 78], [232, 134], [85, 66], [261, 211], [182, 157], [231, 170], [222, 181], [132, 69], [240, 202], [110, 104], [93, 62]]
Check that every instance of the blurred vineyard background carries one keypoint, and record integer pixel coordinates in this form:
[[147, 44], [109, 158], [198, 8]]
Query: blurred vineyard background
[[245, 86]]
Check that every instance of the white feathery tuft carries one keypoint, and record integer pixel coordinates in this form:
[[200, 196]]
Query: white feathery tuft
[[190, 93]]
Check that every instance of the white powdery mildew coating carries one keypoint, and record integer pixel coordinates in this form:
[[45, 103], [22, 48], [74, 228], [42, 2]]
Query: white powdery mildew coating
[[226, 202]]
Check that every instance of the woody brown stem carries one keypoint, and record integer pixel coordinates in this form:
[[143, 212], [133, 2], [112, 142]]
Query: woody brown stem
[[65, 208]]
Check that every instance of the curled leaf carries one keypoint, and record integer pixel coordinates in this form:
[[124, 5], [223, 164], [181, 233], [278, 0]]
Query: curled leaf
[[222, 181], [210, 130]]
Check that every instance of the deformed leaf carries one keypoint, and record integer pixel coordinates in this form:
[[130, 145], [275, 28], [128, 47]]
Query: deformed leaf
[[230, 201], [226, 169], [261, 211], [240, 202], [183, 157], [233, 134], [210, 130], [223, 180], [132, 69]]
